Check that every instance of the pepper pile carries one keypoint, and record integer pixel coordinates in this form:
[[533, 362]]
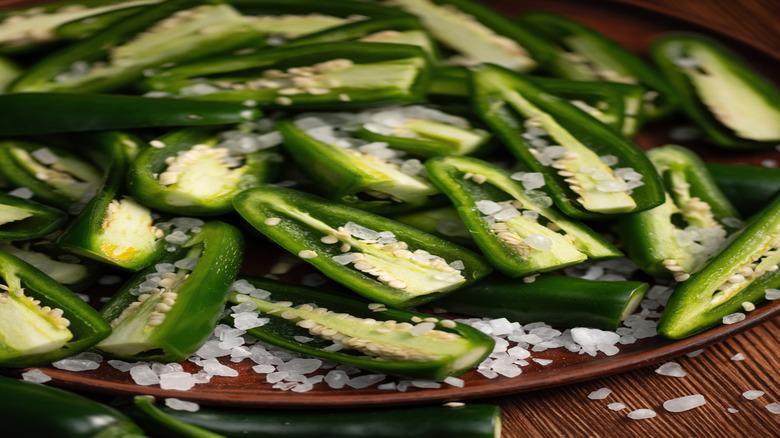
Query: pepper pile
[[382, 123]]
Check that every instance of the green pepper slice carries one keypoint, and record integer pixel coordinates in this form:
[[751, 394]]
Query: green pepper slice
[[375, 338], [22, 219], [85, 27], [748, 188], [75, 273], [376, 257], [45, 113], [739, 274], [442, 222], [589, 169], [9, 71], [735, 106], [516, 229], [170, 31], [40, 320], [168, 310], [314, 75], [676, 238], [583, 54], [198, 171], [68, 415]]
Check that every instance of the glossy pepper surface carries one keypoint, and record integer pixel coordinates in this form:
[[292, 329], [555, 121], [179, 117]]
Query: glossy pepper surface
[[23, 219], [749, 188]]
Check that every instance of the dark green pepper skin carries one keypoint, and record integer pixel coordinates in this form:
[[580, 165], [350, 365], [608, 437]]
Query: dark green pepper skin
[[555, 299], [46, 113], [561, 32], [9, 71], [280, 332], [67, 415], [493, 85], [719, 62], [359, 29], [32, 251], [701, 302], [44, 219], [341, 8], [86, 325], [247, 66], [88, 26], [442, 222], [469, 421], [201, 297], [749, 188], [292, 233]]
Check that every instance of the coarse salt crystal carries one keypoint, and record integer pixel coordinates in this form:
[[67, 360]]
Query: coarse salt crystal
[[738, 357], [671, 369], [695, 353], [616, 406], [752, 394], [454, 381], [364, 381], [81, 362], [22, 192], [772, 294], [177, 380], [682, 404], [181, 405], [733, 318], [641, 414], [143, 375], [35, 376], [600, 394], [773, 408]]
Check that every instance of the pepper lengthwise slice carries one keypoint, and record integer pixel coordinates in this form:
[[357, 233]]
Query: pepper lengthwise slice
[[553, 137], [676, 238], [375, 338], [735, 106], [23, 219], [518, 230], [75, 273], [40, 320], [190, 173], [167, 311], [740, 273], [314, 75], [376, 257]]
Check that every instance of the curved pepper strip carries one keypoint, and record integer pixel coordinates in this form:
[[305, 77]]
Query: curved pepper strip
[[736, 107], [41, 321], [75, 273], [345, 74], [748, 188], [22, 219], [442, 222], [68, 415], [374, 338], [317, 230], [115, 229], [85, 27], [505, 241], [341, 8], [469, 421], [740, 273], [171, 321], [654, 239], [530, 121], [9, 71]]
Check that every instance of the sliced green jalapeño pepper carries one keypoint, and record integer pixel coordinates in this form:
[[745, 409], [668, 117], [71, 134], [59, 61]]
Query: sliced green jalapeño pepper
[[314, 75], [376, 257], [585, 55], [45, 113], [68, 415], [515, 228], [115, 229], [739, 274], [71, 271], [22, 219], [676, 238], [373, 337], [199, 171], [9, 71], [40, 320], [443, 222], [168, 310], [366, 175], [749, 188], [170, 31], [735, 107], [590, 171]]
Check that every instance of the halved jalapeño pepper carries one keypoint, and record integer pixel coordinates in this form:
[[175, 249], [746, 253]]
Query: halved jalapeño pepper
[[739, 274], [373, 337], [376, 257], [585, 55], [315, 75], [199, 171], [113, 228], [75, 273], [517, 229], [591, 171], [22, 219], [167, 311], [54, 176], [676, 238], [171, 31], [367, 175], [734, 106], [40, 320]]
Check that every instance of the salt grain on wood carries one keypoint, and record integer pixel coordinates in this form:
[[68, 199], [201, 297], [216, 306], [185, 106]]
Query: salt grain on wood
[[685, 403], [671, 369], [600, 394], [752, 394]]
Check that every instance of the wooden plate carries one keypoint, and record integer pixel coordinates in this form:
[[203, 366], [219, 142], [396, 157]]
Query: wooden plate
[[633, 28]]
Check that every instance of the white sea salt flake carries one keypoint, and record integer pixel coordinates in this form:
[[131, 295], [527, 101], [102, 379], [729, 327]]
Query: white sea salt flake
[[532, 180], [612, 186], [248, 320], [35, 376], [519, 353], [421, 328], [188, 263], [360, 231], [45, 156], [336, 379], [695, 353], [616, 406], [454, 381], [641, 414], [501, 326], [215, 368], [387, 386], [672, 369], [181, 405], [738, 357], [426, 384], [411, 167], [488, 207], [752, 394], [773, 408], [85, 361], [609, 160], [732, 410], [22, 192], [121, 365], [682, 404], [364, 381], [178, 380], [301, 365], [600, 394], [542, 362], [212, 348], [734, 318], [506, 213], [539, 242], [143, 375], [772, 294], [263, 369]]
